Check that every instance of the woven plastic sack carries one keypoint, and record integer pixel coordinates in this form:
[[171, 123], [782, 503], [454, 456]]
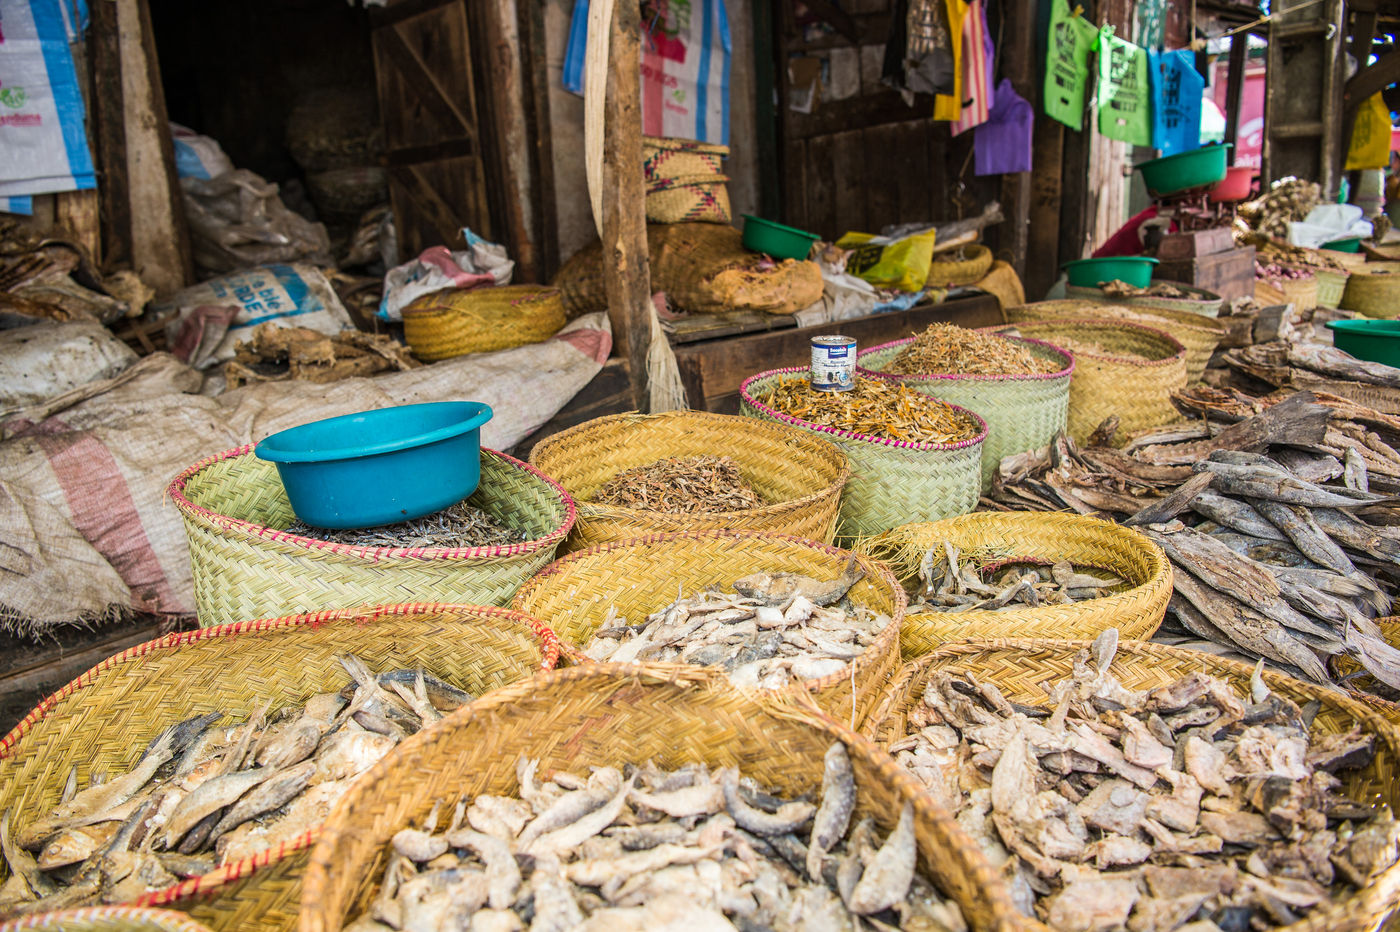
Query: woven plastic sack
[[46, 359], [902, 264], [452, 323]]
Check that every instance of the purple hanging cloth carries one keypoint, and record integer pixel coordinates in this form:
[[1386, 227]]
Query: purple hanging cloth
[[1002, 145]]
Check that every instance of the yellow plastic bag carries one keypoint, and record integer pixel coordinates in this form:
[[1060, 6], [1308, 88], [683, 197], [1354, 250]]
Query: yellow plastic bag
[[1370, 140], [902, 264]]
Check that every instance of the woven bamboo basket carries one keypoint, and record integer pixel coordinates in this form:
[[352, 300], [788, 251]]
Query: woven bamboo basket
[[688, 199], [1351, 261], [1019, 668], [245, 566], [636, 577], [666, 157], [947, 272], [1136, 390], [1023, 412], [892, 481], [101, 720], [1331, 286], [1374, 294], [800, 475], [1201, 302], [106, 919], [998, 538], [1199, 334], [614, 714], [451, 323], [1300, 292], [1377, 253]]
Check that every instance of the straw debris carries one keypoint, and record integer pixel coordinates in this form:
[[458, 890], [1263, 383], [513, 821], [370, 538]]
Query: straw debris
[[876, 407], [681, 486]]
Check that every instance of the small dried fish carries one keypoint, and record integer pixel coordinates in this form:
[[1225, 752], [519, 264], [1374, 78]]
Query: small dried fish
[[948, 348], [459, 526], [876, 407], [682, 486]]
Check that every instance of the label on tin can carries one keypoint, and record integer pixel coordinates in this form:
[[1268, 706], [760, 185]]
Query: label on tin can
[[833, 364]]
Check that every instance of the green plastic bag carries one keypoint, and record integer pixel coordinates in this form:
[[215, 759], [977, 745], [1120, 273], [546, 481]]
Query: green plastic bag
[[902, 264], [1071, 39], [1124, 94]]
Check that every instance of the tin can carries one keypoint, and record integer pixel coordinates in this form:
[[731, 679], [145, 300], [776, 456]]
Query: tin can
[[833, 364]]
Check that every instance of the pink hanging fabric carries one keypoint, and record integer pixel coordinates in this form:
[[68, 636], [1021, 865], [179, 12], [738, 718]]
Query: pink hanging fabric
[[977, 62]]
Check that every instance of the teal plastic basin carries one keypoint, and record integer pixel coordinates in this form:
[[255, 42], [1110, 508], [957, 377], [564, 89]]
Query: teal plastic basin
[[380, 467], [1090, 273], [1349, 244], [778, 241], [1372, 340], [1184, 171]]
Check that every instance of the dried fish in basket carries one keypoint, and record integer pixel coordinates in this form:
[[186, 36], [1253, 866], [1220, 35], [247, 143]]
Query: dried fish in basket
[[1023, 410], [99, 724], [459, 527], [627, 582], [612, 716], [798, 475], [1132, 784], [1100, 548], [892, 481]]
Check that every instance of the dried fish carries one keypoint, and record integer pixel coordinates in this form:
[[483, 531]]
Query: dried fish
[[875, 407], [735, 860], [682, 486], [458, 526], [948, 348], [1195, 793]]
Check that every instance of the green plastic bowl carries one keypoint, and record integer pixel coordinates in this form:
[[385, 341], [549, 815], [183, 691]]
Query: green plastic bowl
[[1184, 171], [1090, 273], [776, 240], [1372, 340], [1350, 244]]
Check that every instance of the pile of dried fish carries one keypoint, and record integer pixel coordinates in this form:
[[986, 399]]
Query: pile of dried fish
[[1121, 289], [681, 486], [877, 407], [644, 848], [953, 582], [1319, 368], [202, 794], [1292, 554], [1277, 252], [460, 526], [773, 629], [1186, 806], [280, 354], [948, 348], [45, 277]]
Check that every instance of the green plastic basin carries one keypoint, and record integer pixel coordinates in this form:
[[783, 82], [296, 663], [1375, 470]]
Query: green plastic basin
[[1372, 340], [1350, 244], [1090, 273], [778, 241], [1198, 168]]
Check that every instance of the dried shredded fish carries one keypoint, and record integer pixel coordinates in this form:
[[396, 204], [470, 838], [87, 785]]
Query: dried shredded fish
[[460, 526], [877, 407], [681, 486], [948, 348]]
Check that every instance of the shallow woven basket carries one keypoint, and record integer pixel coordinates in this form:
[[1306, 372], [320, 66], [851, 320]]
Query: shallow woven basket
[[612, 714], [1199, 334], [892, 481], [667, 157], [1331, 286], [1020, 667], [450, 323], [1138, 391], [1023, 412], [689, 198], [947, 272], [1042, 537], [1300, 292], [101, 720], [637, 577], [107, 919], [800, 475], [1373, 294], [1201, 303], [244, 566]]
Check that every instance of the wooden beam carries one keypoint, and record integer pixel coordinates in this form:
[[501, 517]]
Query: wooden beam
[[1234, 92], [504, 105], [108, 126], [536, 74], [626, 260], [1018, 65]]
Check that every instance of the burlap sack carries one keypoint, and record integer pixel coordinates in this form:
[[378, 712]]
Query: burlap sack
[[86, 532]]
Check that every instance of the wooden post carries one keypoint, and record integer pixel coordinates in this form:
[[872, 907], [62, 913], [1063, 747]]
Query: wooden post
[[626, 260], [1234, 91], [1018, 65]]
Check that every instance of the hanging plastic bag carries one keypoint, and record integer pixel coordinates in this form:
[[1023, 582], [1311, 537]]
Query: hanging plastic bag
[[685, 67], [901, 264], [43, 135], [1176, 101], [1124, 96], [1370, 139], [1003, 144], [1071, 39]]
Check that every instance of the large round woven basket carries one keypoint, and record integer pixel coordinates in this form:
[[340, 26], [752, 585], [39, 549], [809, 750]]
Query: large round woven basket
[[799, 475], [1374, 294], [450, 323], [246, 566], [103, 719], [892, 481], [106, 919], [1198, 301], [998, 538], [1023, 412], [1019, 668], [1199, 334], [613, 715], [635, 578], [1137, 388]]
